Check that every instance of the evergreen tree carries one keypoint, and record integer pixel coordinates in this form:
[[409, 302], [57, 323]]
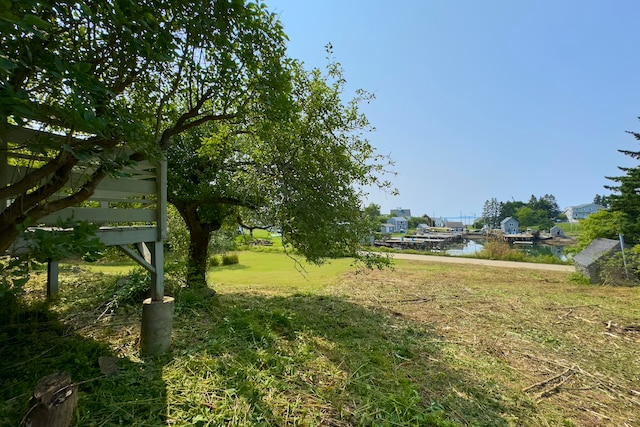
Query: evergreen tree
[[626, 197]]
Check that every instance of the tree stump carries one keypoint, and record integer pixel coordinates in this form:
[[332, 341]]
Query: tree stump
[[53, 401]]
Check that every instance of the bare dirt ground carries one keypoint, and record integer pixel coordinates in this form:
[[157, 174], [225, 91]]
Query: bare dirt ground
[[486, 262]]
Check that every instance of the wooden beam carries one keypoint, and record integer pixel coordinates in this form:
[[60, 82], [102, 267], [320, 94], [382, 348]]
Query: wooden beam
[[138, 258], [100, 216]]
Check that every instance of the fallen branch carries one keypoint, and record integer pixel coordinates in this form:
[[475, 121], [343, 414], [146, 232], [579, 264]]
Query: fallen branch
[[553, 389], [547, 381]]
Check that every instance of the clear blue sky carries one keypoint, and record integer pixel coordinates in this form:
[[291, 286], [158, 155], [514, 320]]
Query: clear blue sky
[[482, 99]]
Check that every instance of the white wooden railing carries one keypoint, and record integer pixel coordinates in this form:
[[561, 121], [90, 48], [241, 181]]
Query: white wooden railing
[[130, 209]]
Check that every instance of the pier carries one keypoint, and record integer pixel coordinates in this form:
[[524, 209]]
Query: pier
[[425, 242]]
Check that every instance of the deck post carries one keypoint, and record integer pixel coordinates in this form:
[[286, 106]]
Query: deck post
[[157, 311], [52, 278], [157, 276]]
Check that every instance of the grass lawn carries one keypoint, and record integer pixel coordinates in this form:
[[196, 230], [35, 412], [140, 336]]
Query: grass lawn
[[423, 344]]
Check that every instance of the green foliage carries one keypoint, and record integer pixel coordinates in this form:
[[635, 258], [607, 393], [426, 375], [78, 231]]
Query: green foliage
[[302, 171], [14, 274], [537, 212], [604, 223], [71, 239], [579, 278], [131, 289], [131, 76], [621, 270], [626, 197], [177, 233], [230, 259], [372, 211], [495, 248], [214, 261]]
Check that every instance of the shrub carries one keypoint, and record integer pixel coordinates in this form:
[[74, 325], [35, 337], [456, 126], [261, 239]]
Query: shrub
[[132, 289], [496, 248], [614, 273], [229, 259], [214, 261], [579, 278]]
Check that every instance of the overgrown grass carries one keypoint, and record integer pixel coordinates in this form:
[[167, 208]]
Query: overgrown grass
[[425, 344]]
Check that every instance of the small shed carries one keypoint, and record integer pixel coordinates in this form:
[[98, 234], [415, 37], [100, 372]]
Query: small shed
[[588, 260], [387, 228], [422, 228], [556, 231]]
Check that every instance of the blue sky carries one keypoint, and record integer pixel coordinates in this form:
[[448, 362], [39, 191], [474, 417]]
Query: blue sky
[[483, 99]]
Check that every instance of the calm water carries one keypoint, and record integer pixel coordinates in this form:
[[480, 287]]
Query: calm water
[[471, 247]]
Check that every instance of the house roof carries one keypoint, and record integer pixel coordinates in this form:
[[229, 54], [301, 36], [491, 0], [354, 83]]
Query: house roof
[[595, 251], [507, 219], [454, 224], [397, 218]]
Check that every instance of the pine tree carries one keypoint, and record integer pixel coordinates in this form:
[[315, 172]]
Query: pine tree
[[626, 196]]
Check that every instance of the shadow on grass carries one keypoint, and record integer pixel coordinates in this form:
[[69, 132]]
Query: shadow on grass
[[354, 365], [35, 343], [247, 359]]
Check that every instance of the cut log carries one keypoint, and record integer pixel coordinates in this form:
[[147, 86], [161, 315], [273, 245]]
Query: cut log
[[53, 401]]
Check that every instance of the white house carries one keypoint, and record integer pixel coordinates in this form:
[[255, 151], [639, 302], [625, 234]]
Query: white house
[[576, 213]]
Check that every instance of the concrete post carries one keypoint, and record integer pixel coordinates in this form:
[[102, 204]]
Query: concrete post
[[157, 322]]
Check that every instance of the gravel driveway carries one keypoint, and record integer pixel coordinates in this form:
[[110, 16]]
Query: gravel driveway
[[487, 262]]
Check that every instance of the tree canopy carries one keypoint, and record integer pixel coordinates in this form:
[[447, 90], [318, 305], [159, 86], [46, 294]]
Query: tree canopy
[[537, 212], [116, 81], [302, 173]]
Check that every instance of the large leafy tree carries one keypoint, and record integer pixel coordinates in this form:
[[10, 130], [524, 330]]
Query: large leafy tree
[[113, 81], [302, 171]]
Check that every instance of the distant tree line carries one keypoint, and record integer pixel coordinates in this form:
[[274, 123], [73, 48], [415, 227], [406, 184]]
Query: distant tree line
[[540, 212]]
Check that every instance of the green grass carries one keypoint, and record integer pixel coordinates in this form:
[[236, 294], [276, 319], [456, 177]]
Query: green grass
[[422, 345], [278, 272]]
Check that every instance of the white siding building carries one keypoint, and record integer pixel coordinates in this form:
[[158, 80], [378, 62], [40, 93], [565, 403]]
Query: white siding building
[[576, 213]]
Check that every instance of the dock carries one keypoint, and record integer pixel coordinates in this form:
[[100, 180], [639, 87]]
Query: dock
[[424, 242]]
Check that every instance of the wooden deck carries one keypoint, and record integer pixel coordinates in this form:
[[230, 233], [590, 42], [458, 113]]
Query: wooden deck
[[420, 242]]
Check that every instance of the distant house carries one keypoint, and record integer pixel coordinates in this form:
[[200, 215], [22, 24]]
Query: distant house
[[440, 222], [509, 225], [387, 228], [399, 223], [455, 226], [556, 231], [576, 213], [430, 222], [405, 213], [422, 228], [589, 260]]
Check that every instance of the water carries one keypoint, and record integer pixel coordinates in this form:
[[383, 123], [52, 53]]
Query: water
[[471, 247]]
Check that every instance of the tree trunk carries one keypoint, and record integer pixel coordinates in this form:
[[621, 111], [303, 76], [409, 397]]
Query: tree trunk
[[198, 256], [199, 236]]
